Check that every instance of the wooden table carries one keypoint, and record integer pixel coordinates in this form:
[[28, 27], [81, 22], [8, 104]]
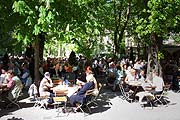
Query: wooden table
[[65, 90], [62, 92]]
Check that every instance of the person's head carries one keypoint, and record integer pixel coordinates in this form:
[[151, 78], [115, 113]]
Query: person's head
[[24, 66], [87, 67], [47, 75], [142, 72], [67, 67], [10, 73], [118, 67], [124, 66], [133, 71], [112, 65], [155, 73], [3, 70]]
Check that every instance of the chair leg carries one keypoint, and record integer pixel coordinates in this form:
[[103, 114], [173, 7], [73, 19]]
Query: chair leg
[[125, 95], [158, 99], [13, 102]]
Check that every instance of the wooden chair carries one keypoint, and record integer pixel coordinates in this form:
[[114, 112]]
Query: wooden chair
[[56, 82], [60, 101]]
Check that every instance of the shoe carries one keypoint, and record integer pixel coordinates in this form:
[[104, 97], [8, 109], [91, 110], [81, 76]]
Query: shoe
[[63, 110], [154, 105], [77, 110], [46, 105]]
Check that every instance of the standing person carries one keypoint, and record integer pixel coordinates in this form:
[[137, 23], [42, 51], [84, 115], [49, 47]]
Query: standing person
[[119, 77], [25, 74], [111, 73]]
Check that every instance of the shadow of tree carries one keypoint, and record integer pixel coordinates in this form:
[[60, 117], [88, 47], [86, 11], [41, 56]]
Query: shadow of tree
[[103, 101], [13, 118], [8, 111]]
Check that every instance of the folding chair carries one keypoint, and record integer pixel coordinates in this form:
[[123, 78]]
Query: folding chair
[[15, 93], [95, 94], [60, 103], [14, 101], [178, 85], [162, 98], [145, 98], [125, 94], [89, 98], [41, 101]]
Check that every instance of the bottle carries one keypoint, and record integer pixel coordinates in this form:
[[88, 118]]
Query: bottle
[[66, 82]]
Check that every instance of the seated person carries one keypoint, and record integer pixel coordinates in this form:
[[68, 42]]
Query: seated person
[[90, 84], [89, 76], [13, 88], [142, 76], [132, 77], [25, 74], [158, 83], [45, 87], [131, 80], [147, 88], [156, 86], [152, 88], [79, 97], [3, 75]]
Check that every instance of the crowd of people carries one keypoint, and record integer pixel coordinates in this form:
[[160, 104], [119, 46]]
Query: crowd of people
[[115, 72]]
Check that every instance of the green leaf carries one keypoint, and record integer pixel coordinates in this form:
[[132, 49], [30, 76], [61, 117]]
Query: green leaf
[[36, 30], [19, 7], [50, 17]]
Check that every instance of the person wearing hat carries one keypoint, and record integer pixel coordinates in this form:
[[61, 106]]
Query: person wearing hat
[[45, 85]]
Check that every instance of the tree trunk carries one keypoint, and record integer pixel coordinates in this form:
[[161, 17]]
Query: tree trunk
[[116, 46], [36, 60], [121, 33], [153, 62], [41, 46]]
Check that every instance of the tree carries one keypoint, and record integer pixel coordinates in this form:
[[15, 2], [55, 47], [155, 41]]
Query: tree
[[40, 19], [36, 19], [154, 20], [7, 24]]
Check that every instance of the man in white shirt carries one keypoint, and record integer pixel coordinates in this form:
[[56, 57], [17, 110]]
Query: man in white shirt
[[158, 83]]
